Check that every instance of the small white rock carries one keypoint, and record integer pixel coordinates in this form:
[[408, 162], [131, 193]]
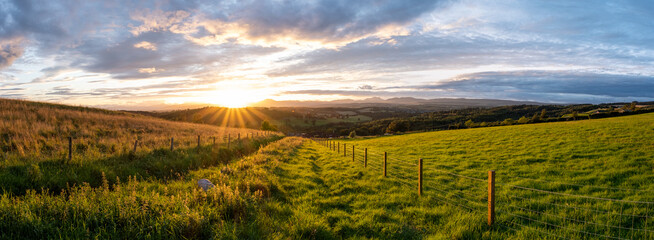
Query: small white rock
[[205, 184]]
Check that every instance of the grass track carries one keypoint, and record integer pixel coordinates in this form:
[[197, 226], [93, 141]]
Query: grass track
[[333, 197]]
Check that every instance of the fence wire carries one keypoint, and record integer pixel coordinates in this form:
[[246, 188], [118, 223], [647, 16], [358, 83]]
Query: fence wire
[[553, 212]]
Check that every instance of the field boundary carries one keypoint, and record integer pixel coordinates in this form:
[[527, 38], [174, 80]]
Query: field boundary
[[72, 147]]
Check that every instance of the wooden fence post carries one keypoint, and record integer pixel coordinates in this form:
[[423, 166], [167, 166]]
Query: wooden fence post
[[171, 143], [214, 140], [198, 141], [365, 157], [385, 157], [352, 152], [491, 197], [70, 149], [420, 177], [136, 143], [338, 149], [344, 150], [239, 136]]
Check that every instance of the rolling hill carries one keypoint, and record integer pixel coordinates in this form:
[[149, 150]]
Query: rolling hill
[[35, 131], [36, 153], [574, 180]]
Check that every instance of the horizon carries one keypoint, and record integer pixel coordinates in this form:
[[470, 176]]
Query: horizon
[[140, 55]]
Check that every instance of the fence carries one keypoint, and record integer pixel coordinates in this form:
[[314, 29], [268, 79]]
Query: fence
[[74, 147], [548, 209]]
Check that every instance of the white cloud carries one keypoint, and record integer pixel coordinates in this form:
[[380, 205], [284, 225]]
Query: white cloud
[[149, 70], [146, 45]]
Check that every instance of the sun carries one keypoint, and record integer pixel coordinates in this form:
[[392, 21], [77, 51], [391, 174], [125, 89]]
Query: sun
[[233, 97]]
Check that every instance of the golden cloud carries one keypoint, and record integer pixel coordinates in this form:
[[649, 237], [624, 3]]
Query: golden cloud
[[146, 45]]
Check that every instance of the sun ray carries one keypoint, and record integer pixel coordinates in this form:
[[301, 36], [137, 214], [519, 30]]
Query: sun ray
[[259, 114], [239, 117]]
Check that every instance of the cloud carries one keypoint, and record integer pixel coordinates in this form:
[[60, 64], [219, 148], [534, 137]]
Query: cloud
[[158, 20], [146, 45], [366, 87], [329, 21], [283, 23], [174, 54], [541, 86], [10, 49], [148, 70], [553, 82], [566, 51]]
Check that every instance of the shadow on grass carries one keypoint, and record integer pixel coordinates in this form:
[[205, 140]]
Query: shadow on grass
[[160, 164]]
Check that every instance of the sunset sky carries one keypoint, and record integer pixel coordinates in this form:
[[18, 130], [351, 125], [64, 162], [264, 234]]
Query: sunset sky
[[132, 54]]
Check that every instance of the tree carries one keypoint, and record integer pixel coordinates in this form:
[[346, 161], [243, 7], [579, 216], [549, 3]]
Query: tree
[[469, 123], [353, 134], [398, 126], [632, 106], [535, 118], [543, 115], [575, 114], [523, 120], [266, 126], [508, 121]]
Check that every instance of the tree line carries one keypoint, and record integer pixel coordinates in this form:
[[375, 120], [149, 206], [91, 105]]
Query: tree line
[[486, 117]]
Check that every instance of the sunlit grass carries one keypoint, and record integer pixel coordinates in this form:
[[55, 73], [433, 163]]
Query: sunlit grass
[[32, 132]]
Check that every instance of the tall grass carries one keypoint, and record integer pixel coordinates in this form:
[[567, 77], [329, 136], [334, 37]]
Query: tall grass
[[32, 132], [152, 209]]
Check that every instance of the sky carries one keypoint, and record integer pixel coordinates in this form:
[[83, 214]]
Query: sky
[[135, 54]]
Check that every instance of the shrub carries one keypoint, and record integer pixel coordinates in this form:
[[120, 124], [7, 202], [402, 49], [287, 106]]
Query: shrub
[[398, 126], [508, 121], [353, 134]]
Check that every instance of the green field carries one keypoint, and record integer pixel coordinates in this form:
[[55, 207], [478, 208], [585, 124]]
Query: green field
[[298, 122], [573, 164], [573, 180]]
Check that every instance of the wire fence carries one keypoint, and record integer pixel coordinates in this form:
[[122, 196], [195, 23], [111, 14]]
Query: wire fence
[[71, 148], [531, 207]]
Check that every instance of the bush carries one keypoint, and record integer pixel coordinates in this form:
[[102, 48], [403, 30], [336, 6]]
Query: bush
[[523, 120], [353, 134], [267, 126], [508, 121], [398, 126], [469, 123]]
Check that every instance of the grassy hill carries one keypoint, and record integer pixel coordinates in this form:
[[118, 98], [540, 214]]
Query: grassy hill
[[34, 145], [574, 180], [34, 131], [286, 119], [583, 179]]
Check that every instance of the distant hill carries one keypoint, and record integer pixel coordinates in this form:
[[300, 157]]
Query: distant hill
[[407, 102]]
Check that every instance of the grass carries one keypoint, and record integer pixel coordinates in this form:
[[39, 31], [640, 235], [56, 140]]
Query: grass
[[153, 208], [299, 189], [604, 158], [320, 122], [32, 132], [290, 189], [34, 146]]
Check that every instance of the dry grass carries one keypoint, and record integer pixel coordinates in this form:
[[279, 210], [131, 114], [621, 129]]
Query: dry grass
[[33, 132]]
